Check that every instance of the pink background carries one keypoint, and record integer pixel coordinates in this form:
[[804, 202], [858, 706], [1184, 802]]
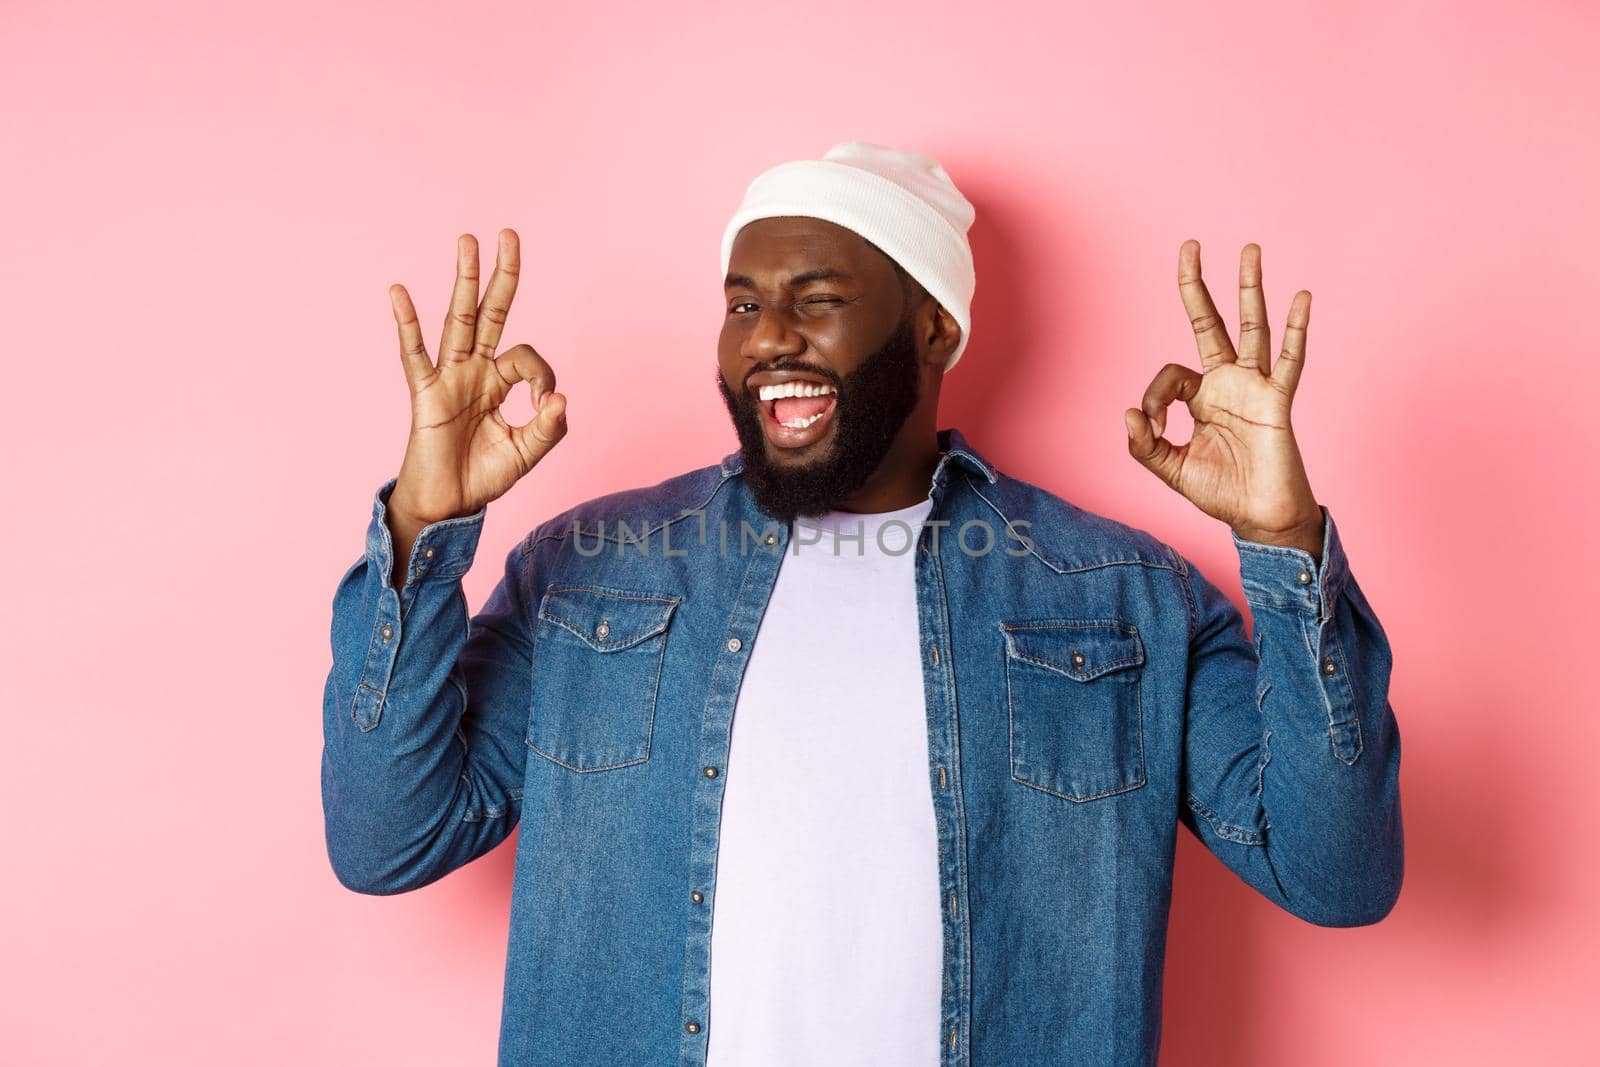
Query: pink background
[[203, 211]]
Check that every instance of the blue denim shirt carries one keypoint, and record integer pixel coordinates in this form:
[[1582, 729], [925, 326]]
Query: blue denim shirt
[[1087, 690]]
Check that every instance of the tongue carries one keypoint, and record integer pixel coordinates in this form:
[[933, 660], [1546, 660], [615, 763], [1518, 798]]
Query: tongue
[[799, 407]]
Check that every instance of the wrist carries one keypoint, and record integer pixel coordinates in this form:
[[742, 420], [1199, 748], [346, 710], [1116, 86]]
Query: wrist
[[402, 511], [404, 523], [1305, 535]]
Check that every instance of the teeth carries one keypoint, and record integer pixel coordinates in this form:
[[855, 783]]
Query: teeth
[[778, 392], [800, 424]]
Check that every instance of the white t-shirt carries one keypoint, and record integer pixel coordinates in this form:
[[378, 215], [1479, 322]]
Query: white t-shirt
[[826, 943]]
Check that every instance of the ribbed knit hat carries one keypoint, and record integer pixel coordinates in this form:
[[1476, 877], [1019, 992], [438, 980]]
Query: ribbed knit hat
[[903, 202]]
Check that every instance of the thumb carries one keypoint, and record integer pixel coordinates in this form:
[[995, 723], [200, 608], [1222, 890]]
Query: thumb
[[545, 430], [1152, 450]]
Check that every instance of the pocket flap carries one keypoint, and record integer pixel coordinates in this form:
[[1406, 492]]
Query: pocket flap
[[608, 620], [1079, 650]]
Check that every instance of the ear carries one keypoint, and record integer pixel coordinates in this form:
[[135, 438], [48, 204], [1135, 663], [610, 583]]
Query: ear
[[940, 335]]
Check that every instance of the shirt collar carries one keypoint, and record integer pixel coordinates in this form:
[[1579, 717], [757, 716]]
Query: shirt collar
[[957, 450]]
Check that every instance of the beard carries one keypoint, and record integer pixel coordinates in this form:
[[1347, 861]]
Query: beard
[[873, 402]]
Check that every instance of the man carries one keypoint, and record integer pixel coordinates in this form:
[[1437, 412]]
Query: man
[[852, 748]]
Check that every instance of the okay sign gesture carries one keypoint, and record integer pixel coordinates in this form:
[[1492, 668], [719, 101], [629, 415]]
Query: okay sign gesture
[[463, 452], [1241, 464]]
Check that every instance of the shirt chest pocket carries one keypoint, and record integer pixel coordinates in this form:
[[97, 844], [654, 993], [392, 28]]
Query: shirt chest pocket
[[1077, 726], [597, 666]]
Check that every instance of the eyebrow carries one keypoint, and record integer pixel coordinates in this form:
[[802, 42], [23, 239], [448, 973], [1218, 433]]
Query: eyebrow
[[822, 274]]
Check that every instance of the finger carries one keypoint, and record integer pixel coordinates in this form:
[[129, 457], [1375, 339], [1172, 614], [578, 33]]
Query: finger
[[545, 430], [1286, 372], [1255, 336], [413, 353], [1155, 452], [456, 343], [1209, 334], [522, 364], [1172, 382], [497, 295]]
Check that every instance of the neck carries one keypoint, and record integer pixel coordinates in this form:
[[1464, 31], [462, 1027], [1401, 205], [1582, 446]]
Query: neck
[[906, 473]]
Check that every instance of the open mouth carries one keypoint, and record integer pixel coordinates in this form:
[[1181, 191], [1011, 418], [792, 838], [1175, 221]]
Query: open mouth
[[795, 411]]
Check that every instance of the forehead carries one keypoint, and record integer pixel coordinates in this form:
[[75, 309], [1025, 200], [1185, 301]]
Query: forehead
[[771, 249]]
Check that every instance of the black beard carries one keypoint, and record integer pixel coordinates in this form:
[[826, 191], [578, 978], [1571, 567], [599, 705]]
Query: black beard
[[873, 402]]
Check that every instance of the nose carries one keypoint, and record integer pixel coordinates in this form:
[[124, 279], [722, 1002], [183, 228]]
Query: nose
[[772, 337]]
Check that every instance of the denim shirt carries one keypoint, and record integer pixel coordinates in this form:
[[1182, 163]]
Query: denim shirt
[[1087, 690]]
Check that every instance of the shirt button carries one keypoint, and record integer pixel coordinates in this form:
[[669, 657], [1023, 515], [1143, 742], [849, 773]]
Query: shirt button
[[1077, 658], [772, 539], [386, 630], [428, 554], [697, 897], [603, 629], [1304, 577], [692, 1026], [734, 644], [1328, 666], [711, 772]]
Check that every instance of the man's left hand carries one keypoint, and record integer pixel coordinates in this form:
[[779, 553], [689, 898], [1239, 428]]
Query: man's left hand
[[1241, 464]]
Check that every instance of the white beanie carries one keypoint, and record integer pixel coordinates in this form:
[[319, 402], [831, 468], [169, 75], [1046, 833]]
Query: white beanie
[[903, 202]]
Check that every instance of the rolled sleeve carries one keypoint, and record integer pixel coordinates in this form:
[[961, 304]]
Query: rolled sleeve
[[1285, 580], [1285, 577], [444, 549], [443, 552]]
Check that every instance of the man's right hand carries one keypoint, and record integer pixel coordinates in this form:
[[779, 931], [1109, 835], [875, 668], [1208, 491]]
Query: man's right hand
[[462, 452]]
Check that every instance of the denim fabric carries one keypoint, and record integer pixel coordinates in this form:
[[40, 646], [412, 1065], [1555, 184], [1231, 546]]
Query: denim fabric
[[1087, 691]]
